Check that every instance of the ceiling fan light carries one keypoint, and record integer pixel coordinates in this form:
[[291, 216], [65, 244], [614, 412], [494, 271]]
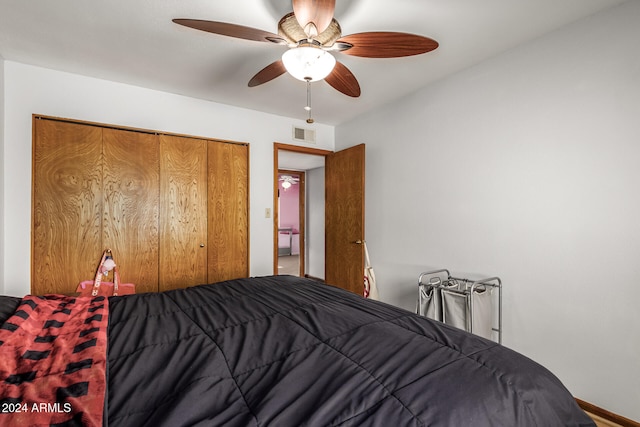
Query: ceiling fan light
[[308, 63]]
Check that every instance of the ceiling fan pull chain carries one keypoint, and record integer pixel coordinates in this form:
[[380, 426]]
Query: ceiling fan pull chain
[[308, 107]]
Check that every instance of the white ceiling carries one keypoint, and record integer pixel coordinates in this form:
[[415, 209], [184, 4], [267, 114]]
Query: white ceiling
[[299, 161], [135, 42]]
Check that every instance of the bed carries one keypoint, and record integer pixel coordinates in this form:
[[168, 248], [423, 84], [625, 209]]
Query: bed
[[288, 351]]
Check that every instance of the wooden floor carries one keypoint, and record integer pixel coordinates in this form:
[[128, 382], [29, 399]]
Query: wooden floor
[[601, 422], [289, 264]]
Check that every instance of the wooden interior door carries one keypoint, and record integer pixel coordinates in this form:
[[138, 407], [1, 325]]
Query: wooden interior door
[[131, 185], [344, 218], [183, 212], [67, 205], [228, 204]]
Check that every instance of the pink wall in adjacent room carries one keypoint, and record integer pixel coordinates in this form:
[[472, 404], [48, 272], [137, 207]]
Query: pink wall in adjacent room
[[289, 204]]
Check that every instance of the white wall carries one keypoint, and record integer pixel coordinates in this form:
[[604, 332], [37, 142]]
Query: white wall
[[1, 172], [33, 90], [315, 222], [525, 167]]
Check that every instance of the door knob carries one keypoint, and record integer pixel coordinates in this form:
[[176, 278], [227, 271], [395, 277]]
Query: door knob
[[202, 245], [359, 242]]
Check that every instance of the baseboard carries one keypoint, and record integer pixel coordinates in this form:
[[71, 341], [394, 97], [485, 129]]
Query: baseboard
[[314, 278], [615, 419]]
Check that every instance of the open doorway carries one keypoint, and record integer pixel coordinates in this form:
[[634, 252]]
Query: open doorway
[[342, 224], [299, 233], [291, 222]]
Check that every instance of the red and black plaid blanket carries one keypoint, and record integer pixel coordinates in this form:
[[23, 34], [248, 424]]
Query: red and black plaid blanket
[[53, 362]]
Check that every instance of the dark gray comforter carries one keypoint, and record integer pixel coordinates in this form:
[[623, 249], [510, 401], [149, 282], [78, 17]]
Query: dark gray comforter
[[284, 351]]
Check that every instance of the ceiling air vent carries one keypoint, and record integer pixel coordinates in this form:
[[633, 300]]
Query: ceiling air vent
[[304, 135]]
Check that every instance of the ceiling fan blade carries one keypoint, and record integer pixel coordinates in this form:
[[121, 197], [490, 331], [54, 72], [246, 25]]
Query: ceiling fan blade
[[383, 44], [320, 12], [231, 30], [268, 73], [343, 80]]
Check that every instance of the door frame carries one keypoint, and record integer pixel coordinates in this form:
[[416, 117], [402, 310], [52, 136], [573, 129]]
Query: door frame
[[296, 149]]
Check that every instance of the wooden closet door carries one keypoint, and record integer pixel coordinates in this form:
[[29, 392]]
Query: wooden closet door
[[228, 192], [67, 205], [183, 212], [131, 195]]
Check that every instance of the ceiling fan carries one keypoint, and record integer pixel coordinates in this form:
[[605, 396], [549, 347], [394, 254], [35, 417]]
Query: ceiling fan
[[311, 32], [288, 181]]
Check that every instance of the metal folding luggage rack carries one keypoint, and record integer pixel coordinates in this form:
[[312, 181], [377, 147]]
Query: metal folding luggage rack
[[471, 305]]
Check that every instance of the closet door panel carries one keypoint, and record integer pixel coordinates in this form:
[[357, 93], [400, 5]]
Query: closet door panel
[[131, 205], [183, 212], [228, 254], [67, 183]]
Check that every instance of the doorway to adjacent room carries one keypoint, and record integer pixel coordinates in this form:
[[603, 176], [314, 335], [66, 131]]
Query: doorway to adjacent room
[[338, 213], [299, 211], [291, 221]]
